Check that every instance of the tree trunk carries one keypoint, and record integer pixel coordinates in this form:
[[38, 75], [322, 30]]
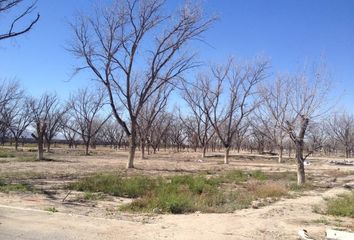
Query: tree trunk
[[41, 128], [132, 148], [299, 142], [347, 152], [142, 146], [300, 164], [48, 147], [204, 151], [280, 158], [40, 149], [87, 145], [16, 144], [226, 157]]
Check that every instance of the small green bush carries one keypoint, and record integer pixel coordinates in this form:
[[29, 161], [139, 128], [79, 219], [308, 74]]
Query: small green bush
[[7, 155], [114, 185], [235, 176], [14, 187], [259, 175], [51, 209], [343, 205]]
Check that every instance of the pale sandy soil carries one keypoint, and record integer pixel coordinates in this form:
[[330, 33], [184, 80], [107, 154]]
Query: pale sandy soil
[[23, 215]]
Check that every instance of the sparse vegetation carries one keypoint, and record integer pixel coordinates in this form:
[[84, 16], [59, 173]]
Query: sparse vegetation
[[342, 205], [6, 154], [14, 187], [185, 193], [51, 209]]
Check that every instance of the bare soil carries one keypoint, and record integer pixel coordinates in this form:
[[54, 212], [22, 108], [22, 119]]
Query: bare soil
[[26, 215]]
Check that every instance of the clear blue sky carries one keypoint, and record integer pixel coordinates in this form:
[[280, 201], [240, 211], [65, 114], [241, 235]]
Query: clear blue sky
[[290, 32]]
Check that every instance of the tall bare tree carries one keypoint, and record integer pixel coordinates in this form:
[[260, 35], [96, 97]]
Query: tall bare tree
[[134, 48], [307, 101], [231, 99], [19, 24], [41, 109], [198, 121], [85, 109]]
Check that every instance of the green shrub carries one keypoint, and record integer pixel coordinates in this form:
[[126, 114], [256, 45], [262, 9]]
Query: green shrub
[[259, 175], [15, 187], [343, 205], [114, 185], [51, 209], [7, 155], [235, 176]]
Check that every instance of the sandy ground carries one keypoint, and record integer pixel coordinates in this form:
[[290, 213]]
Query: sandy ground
[[22, 216]]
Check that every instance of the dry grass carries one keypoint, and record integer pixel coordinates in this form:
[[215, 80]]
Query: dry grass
[[270, 189]]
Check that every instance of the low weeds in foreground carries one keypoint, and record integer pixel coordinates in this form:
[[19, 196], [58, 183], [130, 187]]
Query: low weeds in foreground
[[186, 193], [14, 187], [342, 205]]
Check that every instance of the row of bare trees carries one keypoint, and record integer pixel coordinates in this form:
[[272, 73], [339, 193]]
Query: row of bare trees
[[139, 53], [268, 117], [46, 118]]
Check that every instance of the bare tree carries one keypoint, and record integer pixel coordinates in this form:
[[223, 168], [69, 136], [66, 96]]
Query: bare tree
[[112, 133], [54, 121], [85, 108], [177, 133], [19, 118], [134, 49], [10, 97], [10, 90], [341, 128], [197, 122], [41, 109], [317, 137], [149, 113], [159, 130], [67, 127], [273, 112], [307, 101], [17, 25], [231, 100]]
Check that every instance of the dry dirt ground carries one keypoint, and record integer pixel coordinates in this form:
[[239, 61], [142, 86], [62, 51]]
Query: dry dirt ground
[[26, 215]]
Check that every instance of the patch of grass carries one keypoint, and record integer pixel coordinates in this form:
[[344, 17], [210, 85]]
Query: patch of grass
[[26, 159], [342, 205], [259, 175], [300, 188], [285, 176], [89, 196], [7, 154], [11, 176], [184, 193], [322, 220], [51, 209], [14, 187], [234, 176], [114, 184], [268, 189]]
